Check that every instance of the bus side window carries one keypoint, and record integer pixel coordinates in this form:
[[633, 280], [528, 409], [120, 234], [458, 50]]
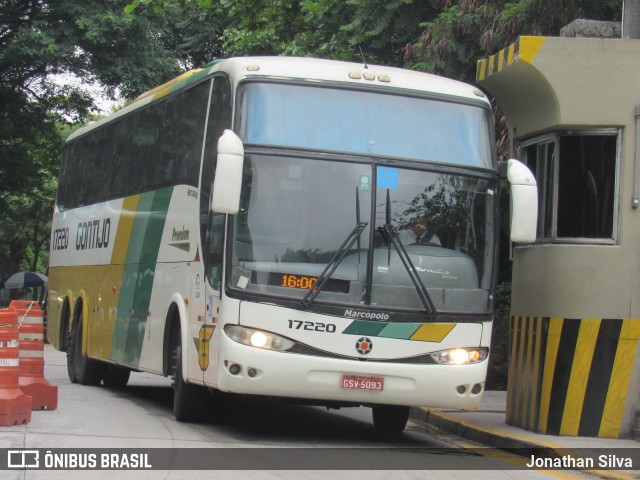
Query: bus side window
[[212, 232]]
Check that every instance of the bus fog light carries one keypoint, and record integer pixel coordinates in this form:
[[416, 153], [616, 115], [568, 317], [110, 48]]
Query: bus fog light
[[461, 389], [476, 389], [252, 372], [460, 356], [234, 369], [258, 338]]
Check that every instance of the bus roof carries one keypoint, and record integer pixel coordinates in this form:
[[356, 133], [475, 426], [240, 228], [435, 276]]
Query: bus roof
[[303, 68]]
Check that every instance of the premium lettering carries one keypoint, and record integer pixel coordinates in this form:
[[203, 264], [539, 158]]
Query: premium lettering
[[180, 235]]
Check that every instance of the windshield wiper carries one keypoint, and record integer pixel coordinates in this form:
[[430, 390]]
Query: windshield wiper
[[394, 240], [319, 284], [425, 298]]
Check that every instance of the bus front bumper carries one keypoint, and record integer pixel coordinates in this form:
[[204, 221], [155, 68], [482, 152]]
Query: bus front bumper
[[254, 371]]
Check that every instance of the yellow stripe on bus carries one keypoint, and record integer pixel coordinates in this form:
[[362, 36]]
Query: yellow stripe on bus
[[125, 225], [433, 332]]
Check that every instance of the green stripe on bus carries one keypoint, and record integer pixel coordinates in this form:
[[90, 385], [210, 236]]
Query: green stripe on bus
[[138, 275], [364, 327], [195, 78], [423, 332], [401, 331]]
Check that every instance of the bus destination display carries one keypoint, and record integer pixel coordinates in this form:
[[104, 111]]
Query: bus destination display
[[298, 282]]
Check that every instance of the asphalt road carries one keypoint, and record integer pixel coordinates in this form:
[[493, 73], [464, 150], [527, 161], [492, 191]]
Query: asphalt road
[[244, 439]]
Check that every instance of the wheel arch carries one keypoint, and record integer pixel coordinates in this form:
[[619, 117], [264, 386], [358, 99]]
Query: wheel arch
[[80, 312], [175, 324], [64, 323]]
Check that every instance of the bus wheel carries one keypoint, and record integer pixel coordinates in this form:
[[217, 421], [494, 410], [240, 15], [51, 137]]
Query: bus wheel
[[188, 399], [82, 369], [71, 366], [390, 419], [116, 377]]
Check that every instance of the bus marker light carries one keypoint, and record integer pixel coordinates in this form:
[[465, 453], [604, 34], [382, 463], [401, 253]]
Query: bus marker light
[[355, 76], [369, 76], [384, 78], [253, 68]]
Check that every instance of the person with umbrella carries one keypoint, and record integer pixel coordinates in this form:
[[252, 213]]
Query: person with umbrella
[[31, 280]]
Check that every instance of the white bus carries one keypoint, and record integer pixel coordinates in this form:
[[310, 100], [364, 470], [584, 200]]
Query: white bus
[[285, 227]]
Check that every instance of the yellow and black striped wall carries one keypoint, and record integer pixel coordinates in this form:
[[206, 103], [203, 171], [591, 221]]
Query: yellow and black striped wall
[[571, 376]]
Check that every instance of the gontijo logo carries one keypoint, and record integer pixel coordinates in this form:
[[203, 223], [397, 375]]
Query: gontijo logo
[[93, 234]]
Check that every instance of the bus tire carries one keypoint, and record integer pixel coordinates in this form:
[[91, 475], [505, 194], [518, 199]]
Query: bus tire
[[65, 334], [390, 419], [188, 399], [82, 369], [71, 366], [115, 377]]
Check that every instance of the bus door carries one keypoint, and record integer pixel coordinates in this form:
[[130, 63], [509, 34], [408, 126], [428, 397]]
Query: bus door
[[212, 260]]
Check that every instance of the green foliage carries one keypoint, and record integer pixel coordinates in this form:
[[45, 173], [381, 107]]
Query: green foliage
[[467, 30], [40, 39], [321, 28]]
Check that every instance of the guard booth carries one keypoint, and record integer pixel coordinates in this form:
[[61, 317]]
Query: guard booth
[[573, 110]]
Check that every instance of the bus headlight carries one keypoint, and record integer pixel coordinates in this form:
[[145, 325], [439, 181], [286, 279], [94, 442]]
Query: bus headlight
[[258, 338], [460, 356]]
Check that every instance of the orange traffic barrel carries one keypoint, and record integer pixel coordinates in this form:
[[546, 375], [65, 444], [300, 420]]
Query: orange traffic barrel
[[15, 406], [24, 304], [31, 343]]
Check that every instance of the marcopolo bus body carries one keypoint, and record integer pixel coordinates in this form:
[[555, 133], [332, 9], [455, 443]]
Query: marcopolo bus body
[[310, 229]]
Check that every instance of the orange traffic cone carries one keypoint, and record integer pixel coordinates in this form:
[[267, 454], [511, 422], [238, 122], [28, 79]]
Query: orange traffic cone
[[15, 406], [31, 334]]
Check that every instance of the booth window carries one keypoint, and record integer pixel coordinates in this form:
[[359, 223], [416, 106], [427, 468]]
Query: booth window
[[576, 174]]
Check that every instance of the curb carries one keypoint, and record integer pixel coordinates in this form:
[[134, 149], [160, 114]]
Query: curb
[[499, 439]]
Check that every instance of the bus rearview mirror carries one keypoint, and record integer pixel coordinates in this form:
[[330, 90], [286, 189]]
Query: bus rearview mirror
[[524, 202], [228, 177]]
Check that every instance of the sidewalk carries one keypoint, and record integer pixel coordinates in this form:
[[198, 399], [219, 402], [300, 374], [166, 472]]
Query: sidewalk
[[488, 427]]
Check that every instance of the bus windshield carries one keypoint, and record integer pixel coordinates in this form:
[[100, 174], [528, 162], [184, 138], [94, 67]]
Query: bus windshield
[[363, 122], [297, 212]]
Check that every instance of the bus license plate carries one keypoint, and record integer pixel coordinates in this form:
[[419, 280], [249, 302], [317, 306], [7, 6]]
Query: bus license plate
[[356, 382]]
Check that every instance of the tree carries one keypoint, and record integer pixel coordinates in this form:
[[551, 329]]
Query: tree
[[321, 28], [40, 38], [467, 30]]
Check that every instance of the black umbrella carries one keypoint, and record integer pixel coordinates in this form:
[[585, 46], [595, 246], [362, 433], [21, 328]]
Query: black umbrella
[[25, 280]]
